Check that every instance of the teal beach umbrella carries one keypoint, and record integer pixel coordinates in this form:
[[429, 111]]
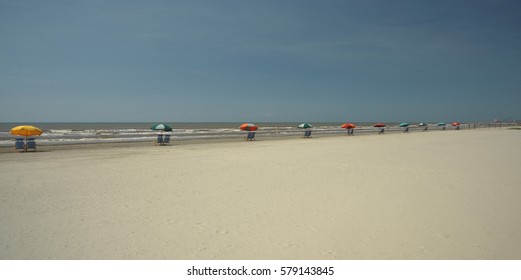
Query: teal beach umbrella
[[442, 124], [404, 124], [305, 125], [161, 127]]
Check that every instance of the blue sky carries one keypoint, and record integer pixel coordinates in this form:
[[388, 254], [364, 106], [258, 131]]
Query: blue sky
[[243, 60]]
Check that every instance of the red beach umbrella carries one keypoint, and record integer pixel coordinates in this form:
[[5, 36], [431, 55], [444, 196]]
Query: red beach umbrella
[[248, 127], [379, 124], [456, 123], [348, 126]]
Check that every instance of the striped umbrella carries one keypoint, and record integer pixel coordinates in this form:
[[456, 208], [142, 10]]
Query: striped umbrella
[[248, 127], [304, 125], [161, 127]]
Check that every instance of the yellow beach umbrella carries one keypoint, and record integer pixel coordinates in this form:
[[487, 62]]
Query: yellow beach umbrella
[[26, 130]]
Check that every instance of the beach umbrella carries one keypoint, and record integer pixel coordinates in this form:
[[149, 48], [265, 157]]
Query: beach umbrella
[[456, 123], [442, 124], [381, 126], [422, 124], [348, 126], [404, 124], [161, 127], [248, 127], [26, 130], [305, 125]]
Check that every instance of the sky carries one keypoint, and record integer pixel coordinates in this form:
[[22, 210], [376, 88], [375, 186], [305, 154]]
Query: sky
[[272, 60]]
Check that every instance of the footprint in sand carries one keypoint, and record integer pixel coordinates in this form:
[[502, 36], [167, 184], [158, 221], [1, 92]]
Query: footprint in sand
[[222, 231]]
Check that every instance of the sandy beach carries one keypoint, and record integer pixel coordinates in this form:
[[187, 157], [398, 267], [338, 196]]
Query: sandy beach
[[434, 195]]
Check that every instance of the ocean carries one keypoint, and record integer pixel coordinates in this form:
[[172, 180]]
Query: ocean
[[85, 133]]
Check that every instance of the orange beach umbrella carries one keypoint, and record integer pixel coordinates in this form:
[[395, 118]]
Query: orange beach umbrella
[[379, 124], [248, 127], [348, 126], [26, 130], [456, 123]]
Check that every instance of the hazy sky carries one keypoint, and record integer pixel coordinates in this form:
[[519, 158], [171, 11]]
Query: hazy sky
[[280, 60]]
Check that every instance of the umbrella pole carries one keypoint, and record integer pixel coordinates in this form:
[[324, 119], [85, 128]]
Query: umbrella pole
[[25, 144]]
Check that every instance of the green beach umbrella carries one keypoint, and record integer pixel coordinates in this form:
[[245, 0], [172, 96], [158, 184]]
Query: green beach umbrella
[[305, 125], [404, 124], [423, 124], [161, 127], [442, 124]]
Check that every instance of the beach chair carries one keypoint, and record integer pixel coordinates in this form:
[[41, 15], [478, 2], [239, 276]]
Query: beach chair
[[166, 140], [19, 144], [31, 144], [307, 134], [250, 136], [159, 140]]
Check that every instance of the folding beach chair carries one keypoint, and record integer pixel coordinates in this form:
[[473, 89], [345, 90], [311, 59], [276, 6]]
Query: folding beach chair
[[159, 140], [19, 144], [31, 144], [307, 134], [166, 140], [251, 136]]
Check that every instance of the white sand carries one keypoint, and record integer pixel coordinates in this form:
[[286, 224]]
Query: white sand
[[434, 195]]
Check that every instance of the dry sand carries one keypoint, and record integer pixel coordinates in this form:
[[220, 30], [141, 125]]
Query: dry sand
[[434, 195]]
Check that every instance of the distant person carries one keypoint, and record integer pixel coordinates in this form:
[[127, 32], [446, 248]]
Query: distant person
[[382, 130]]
